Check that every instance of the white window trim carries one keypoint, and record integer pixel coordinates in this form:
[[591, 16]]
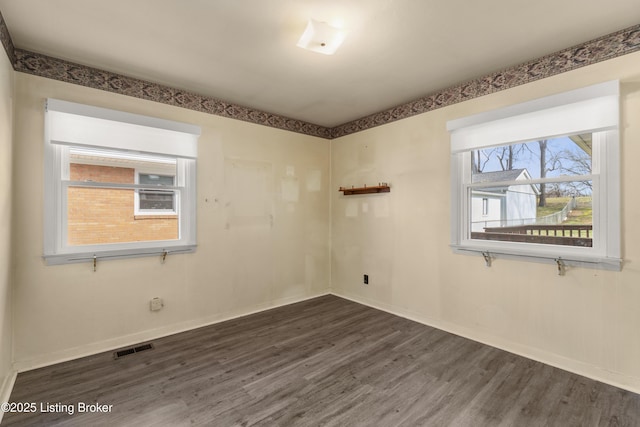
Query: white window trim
[[594, 108], [69, 124]]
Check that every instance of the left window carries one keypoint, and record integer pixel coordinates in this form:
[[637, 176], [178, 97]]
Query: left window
[[116, 184]]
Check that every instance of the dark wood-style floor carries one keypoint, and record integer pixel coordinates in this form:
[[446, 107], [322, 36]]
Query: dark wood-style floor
[[323, 362]]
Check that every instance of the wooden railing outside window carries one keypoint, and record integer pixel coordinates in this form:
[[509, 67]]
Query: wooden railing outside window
[[571, 235]]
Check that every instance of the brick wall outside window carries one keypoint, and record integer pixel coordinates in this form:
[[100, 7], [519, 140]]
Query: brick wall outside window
[[107, 215]]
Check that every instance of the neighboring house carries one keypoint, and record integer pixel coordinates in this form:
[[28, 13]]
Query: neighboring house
[[503, 206], [112, 215]]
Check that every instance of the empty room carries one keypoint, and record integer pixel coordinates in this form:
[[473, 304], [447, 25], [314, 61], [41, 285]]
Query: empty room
[[306, 212]]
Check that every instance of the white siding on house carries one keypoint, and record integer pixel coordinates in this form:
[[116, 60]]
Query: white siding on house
[[494, 211], [505, 207], [521, 205]]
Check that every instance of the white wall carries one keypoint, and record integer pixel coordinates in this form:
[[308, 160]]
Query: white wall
[[586, 321], [6, 154], [263, 236]]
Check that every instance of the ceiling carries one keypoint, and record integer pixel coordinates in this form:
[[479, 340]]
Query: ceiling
[[245, 52]]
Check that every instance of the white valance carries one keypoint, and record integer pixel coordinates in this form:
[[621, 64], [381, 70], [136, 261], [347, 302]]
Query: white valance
[[590, 109], [70, 123]]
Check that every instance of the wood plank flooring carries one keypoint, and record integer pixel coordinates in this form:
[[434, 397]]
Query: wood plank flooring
[[322, 362]]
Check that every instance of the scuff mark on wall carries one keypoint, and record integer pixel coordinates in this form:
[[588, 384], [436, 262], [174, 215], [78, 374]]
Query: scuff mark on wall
[[351, 210], [381, 207], [250, 185], [290, 189], [314, 180]]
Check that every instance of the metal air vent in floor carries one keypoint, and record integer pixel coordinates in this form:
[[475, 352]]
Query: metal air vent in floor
[[131, 350]]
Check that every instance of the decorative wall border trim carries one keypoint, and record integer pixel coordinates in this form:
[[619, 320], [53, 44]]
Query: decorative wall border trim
[[58, 69], [5, 39], [601, 49], [607, 47]]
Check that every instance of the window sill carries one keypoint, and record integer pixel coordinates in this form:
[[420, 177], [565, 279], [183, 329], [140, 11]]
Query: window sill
[[546, 257], [101, 255], [155, 216]]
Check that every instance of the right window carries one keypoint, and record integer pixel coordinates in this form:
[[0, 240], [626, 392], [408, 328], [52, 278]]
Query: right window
[[540, 179]]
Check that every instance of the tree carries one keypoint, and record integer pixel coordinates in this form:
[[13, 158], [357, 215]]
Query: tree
[[509, 155], [543, 172], [477, 161], [549, 161], [505, 157], [577, 162]]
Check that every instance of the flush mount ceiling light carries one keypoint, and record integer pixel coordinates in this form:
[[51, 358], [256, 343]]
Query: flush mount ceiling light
[[321, 37]]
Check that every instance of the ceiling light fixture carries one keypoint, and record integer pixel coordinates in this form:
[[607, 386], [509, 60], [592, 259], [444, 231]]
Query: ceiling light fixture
[[321, 37]]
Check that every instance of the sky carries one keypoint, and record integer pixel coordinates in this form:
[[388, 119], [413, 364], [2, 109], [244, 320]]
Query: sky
[[527, 155]]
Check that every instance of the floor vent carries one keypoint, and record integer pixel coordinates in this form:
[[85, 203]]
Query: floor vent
[[131, 350]]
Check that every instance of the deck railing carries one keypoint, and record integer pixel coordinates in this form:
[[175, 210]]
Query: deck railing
[[564, 234]]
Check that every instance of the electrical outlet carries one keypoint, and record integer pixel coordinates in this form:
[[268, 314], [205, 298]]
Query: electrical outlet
[[366, 279], [156, 304]]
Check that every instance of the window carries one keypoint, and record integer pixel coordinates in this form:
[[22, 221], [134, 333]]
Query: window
[[156, 201], [116, 184], [540, 179]]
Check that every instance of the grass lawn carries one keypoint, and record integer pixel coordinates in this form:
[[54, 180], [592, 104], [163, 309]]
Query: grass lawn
[[581, 215]]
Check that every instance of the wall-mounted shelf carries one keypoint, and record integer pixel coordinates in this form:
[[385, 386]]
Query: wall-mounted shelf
[[382, 187]]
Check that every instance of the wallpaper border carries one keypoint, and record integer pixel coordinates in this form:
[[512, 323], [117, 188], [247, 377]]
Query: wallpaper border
[[5, 39]]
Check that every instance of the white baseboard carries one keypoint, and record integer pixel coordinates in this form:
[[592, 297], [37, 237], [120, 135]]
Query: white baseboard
[[580, 368], [7, 387], [128, 340]]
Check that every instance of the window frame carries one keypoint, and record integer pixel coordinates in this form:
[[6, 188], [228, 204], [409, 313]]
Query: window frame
[[161, 137], [605, 252]]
